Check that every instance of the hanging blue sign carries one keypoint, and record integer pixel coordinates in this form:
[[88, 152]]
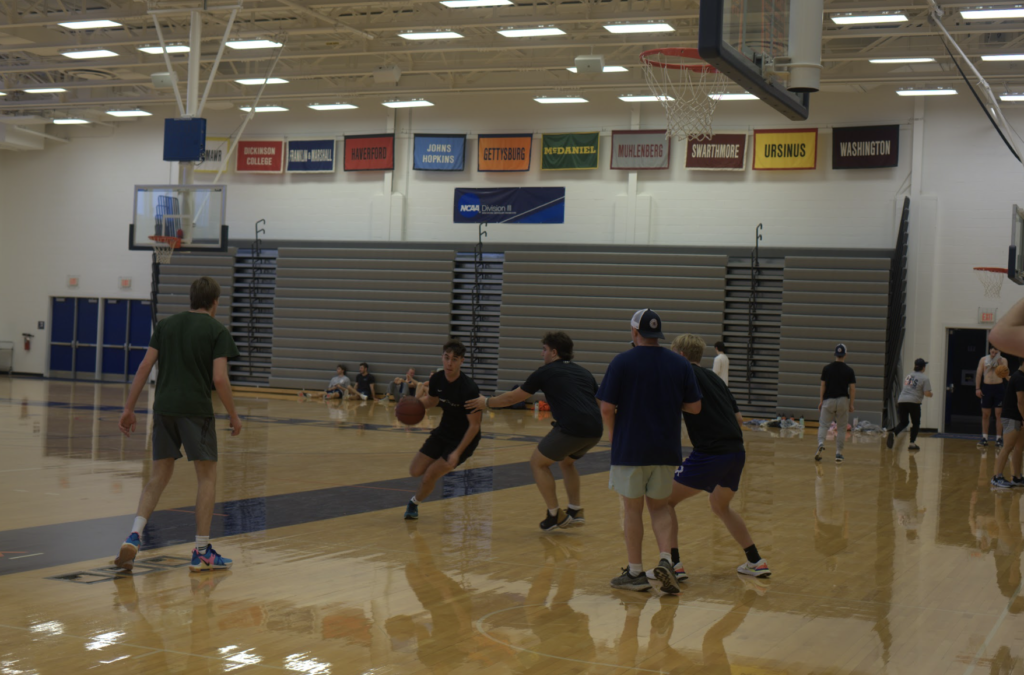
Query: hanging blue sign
[[311, 156], [439, 152], [510, 205]]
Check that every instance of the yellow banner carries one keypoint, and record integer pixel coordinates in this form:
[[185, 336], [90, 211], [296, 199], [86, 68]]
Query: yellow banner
[[785, 149]]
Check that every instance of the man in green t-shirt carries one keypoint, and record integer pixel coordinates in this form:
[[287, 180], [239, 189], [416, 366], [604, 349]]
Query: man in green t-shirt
[[192, 350]]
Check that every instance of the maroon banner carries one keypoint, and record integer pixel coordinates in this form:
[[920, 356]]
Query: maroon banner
[[866, 147], [721, 152], [259, 157], [372, 152]]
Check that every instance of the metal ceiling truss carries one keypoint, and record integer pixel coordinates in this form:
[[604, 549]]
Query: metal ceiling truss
[[333, 47]]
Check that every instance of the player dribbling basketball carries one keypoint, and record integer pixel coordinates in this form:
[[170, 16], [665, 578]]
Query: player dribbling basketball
[[457, 435]]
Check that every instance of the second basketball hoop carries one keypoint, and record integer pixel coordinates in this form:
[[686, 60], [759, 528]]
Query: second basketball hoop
[[687, 87]]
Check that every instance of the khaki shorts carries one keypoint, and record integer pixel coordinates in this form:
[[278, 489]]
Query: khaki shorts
[[634, 482]]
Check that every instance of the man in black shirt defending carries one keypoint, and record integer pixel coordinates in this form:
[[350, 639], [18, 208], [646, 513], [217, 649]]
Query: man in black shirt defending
[[717, 460], [578, 427], [456, 436]]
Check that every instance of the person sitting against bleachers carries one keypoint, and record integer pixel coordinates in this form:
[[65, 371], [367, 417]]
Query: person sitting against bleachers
[[340, 385], [402, 386]]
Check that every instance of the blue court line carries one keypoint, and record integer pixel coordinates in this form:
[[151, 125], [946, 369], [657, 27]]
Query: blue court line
[[961, 437], [84, 540]]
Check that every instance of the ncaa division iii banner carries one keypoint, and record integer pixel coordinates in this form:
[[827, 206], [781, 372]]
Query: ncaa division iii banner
[[510, 205], [569, 151]]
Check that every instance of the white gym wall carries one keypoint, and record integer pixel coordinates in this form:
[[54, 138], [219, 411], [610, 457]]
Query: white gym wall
[[65, 209]]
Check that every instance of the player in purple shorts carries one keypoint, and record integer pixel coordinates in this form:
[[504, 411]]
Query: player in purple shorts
[[716, 463]]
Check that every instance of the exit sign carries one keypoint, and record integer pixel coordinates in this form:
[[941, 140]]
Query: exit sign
[[987, 314]]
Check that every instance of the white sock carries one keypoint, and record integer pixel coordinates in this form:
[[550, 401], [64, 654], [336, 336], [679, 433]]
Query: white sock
[[139, 525], [553, 512], [202, 542], [415, 501], [636, 569], [666, 556], [574, 507], [985, 436]]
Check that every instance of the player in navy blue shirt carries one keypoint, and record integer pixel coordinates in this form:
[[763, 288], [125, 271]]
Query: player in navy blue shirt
[[642, 395]]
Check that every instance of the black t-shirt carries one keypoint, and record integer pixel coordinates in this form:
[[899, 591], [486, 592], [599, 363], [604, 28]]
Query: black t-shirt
[[837, 377], [715, 429], [1010, 409], [453, 395], [570, 390], [363, 382]]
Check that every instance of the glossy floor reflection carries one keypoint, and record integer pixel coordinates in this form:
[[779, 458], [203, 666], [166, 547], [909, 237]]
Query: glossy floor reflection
[[890, 563]]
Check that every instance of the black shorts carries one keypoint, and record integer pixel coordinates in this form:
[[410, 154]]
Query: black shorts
[[706, 472], [558, 445], [436, 447], [197, 434], [992, 395]]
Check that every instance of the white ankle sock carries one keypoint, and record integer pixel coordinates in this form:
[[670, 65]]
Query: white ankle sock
[[202, 542], [985, 436], [139, 525], [575, 507], [666, 556], [636, 569], [414, 500], [553, 512]]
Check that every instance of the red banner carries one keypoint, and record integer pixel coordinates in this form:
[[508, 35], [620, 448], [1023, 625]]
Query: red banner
[[721, 152], [374, 152], [259, 157]]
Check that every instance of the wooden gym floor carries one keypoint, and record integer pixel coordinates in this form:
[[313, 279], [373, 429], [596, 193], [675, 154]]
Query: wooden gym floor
[[891, 563]]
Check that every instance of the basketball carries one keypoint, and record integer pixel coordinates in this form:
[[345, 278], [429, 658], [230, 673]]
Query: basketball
[[1002, 372], [410, 410]]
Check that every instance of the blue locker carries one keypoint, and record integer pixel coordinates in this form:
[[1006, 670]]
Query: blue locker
[[87, 325], [62, 334], [115, 336]]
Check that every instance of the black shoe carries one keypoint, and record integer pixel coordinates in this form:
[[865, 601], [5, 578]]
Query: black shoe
[[890, 440], [665, 574], [574, 518], [412, 511], [554, 521], [817, 455], [913, 447]]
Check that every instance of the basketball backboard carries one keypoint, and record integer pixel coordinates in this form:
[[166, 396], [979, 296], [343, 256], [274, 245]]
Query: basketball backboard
[[744, 39], [1015, 265], [193, 213]]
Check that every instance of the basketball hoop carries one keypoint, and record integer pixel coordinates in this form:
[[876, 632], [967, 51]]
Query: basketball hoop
[[684, 83], [163, 247], [992, 279]]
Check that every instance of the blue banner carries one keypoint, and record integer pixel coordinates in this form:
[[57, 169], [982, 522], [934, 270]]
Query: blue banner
[[509, 205], [439, 152], [311, 156]]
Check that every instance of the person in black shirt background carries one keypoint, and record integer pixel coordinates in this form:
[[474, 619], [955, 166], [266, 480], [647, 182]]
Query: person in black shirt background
[[1014, 439], [717, 460], [835, 401], [578, 427], [365, 382], [456, 436]]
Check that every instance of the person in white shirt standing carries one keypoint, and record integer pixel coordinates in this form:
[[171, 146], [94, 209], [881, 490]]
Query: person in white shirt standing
[[721, 365]]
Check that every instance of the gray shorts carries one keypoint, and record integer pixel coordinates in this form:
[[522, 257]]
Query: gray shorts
[[197, 434], [1010, 425], [558, 445], [634, 482]]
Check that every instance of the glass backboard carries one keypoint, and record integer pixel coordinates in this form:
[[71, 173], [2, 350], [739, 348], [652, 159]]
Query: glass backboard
[[193, 213], [743, 39]]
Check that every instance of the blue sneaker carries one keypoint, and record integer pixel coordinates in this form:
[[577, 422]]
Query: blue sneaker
[[129, 549], [412, 511], [208, 560], [1000, 483]]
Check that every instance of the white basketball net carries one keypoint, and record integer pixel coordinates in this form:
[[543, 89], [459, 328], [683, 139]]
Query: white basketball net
[[686, 96], [991, 280], [163, 251]]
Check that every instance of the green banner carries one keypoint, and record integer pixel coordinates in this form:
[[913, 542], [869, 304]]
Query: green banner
[[570, 151]]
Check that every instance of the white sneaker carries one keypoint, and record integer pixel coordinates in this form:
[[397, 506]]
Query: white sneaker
[[758, 569], [363, 396]]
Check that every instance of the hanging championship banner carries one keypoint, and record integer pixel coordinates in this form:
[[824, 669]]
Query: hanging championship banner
[[439, 152], [721, 152], [866, 147], [311, 156], [785, 149], [504, 152], [371, 152], [509, 205], [639, 150], [260, 157], [215, 155], [570, 151]]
